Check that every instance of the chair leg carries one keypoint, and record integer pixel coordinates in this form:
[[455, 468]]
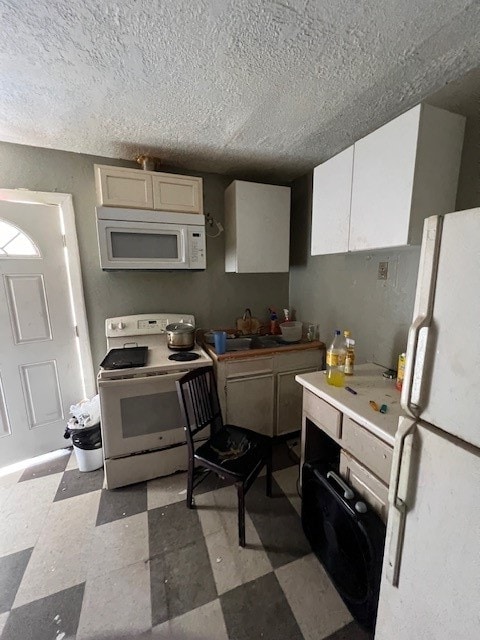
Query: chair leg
[[241, 514], [191, 471], [269, 476]]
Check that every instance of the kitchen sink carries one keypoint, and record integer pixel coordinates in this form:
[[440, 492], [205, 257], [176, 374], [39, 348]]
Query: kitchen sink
[[255, 342]]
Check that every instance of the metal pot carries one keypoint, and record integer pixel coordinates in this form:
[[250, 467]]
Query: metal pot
[[180, 336]]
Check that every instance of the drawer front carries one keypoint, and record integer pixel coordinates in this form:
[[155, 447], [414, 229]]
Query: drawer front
[[372, 490], [296, 360], [372, 452], [322, 414], [254, 366]]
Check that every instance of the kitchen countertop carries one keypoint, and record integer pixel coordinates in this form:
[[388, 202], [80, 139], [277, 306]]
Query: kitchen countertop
[[369, 384], [254, 353]]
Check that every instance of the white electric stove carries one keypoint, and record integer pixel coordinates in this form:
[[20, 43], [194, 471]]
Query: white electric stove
[[142, 430]]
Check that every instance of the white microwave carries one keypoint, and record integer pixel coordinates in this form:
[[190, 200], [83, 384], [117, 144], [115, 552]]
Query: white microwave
[[143, 239]]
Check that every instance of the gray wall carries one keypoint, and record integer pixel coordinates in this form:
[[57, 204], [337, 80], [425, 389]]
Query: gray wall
[[214, 297]]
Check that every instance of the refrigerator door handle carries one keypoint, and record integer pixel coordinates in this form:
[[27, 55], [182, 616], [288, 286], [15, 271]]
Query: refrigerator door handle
[[421, 322], [423, 314], [397, 496]]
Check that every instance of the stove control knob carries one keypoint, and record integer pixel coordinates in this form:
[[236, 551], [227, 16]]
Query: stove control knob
[[121, 325], [112, 326]]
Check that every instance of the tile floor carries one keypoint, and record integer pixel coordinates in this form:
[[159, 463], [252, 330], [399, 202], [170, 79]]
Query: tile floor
[[77, 561]]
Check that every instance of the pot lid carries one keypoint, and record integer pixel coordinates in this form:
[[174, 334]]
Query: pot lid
[[180, 327]]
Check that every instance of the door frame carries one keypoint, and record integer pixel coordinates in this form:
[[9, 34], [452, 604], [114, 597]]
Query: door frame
[[65, 203]]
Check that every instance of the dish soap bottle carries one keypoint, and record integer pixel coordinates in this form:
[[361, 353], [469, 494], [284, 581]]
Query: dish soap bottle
[[349, 354], [336, 361]]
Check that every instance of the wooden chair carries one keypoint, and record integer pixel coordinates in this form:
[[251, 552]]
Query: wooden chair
[[232, 452]]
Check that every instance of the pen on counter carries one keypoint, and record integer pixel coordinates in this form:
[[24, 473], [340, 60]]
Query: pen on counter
[[351, 390]]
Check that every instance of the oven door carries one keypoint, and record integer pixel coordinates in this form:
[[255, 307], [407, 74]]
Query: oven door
[[140, 414], [142, 245]]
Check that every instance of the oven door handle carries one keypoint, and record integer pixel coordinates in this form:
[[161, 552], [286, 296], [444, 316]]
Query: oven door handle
[[164, 377]]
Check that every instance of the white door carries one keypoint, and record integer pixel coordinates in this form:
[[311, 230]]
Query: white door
[[430, 583], [40, 370]]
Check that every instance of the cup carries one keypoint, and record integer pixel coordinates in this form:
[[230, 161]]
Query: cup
[[311, 332], [220, 339]]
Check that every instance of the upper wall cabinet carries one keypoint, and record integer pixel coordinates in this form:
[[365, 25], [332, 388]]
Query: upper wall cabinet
[[332, 191], [257, 228], [135, 188], [400, 174]]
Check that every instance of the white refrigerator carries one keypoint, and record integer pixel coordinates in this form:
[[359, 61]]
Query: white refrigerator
[[430, 587]]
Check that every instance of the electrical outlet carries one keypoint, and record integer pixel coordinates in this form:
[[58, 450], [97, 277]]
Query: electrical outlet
[[382, 271]]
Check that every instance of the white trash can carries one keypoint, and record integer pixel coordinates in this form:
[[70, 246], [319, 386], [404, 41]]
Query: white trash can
[[88, 459], [87, 444]]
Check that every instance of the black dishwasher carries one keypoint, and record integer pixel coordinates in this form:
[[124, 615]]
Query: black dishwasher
[[347, 537]]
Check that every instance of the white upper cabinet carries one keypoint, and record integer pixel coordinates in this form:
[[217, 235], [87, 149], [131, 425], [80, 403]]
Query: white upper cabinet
[[177, 193], [400, 174], [332, 184], [257, 228], [119, 187], [138, 189]]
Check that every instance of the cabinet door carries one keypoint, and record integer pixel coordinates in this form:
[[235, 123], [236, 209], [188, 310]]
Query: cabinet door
[[382, 187], [289, 402], [262, 225], [119, 187], [250, 403], [372, 490], [332, 189], [177, 193]]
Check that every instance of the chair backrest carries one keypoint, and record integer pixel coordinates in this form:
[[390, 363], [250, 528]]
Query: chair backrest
[[199, 404]]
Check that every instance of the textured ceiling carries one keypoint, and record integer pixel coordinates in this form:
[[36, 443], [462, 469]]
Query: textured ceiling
[[232, 86]]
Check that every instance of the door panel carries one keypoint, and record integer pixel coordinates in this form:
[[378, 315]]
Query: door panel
[[27, 304], [289, 401], [42, 393], [39, 363]]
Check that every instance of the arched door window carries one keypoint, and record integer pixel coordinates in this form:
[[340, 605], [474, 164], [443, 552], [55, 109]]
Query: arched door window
[[14, 243]]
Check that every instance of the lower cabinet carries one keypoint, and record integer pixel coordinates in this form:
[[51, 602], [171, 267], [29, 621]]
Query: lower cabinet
[[250, 402], [260, 393]]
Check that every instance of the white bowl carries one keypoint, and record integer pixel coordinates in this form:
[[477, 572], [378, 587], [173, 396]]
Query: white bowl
[[291, 331]]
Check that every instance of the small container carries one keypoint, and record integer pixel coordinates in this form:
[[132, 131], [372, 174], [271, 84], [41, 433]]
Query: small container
[[220, 338], [400, 371], [291, 331], [350, 353]]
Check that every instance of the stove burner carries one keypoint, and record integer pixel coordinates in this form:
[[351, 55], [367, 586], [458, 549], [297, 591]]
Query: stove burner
[[184, 356]]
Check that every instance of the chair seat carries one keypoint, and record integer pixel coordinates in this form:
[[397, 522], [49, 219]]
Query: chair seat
[[234, 450]]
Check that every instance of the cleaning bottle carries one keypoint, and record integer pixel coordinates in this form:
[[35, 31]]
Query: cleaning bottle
[[274, 326], [336, 361], [349, 353]]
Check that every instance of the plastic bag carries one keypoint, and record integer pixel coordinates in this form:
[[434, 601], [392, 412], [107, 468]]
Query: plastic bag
[[86, 413]]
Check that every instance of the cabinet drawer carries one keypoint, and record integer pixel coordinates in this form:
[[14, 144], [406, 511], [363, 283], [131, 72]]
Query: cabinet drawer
[[372, 452], [372, 490], [296, 360], [322, 414], [255, 366]]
